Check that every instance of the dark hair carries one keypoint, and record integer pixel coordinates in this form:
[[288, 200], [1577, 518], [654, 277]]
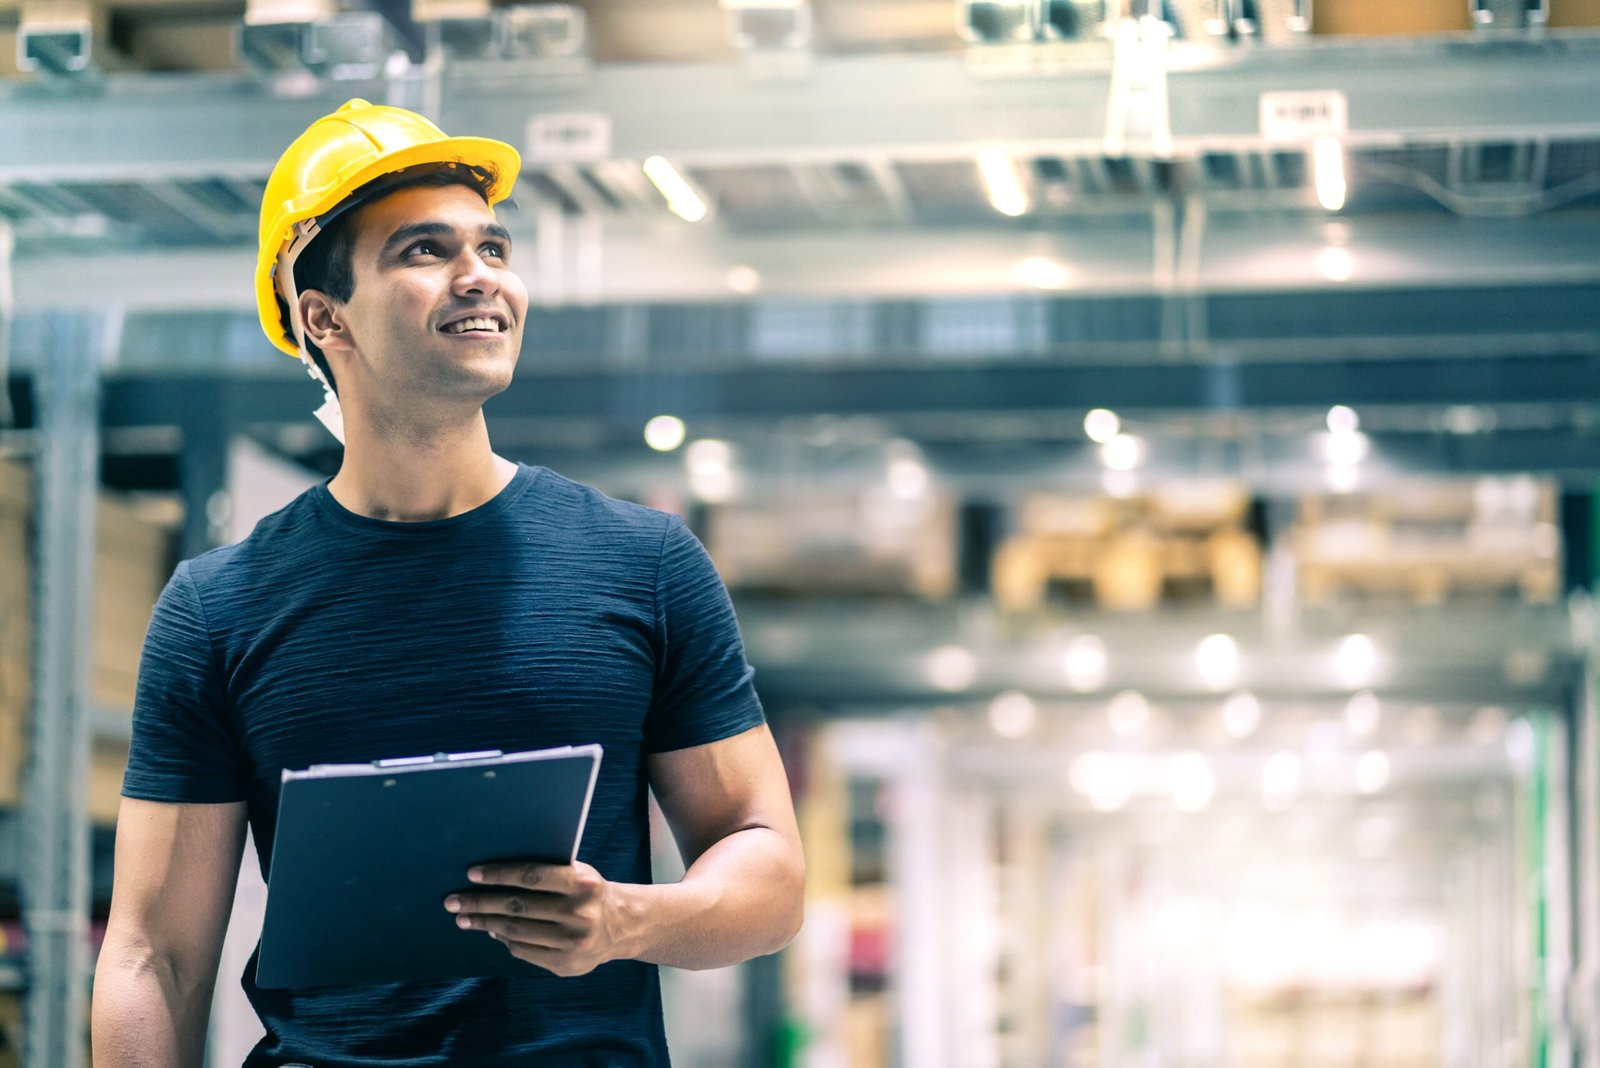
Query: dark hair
[[324, 265]]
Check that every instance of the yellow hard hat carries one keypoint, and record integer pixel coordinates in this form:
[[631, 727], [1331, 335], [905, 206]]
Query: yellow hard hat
[[337, 155]]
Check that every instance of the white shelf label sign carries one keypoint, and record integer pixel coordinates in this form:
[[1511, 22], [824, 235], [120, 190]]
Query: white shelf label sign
[[1303, 116], [569, 138]]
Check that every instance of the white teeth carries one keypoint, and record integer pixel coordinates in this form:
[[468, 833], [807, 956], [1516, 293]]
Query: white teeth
[[473, 324]]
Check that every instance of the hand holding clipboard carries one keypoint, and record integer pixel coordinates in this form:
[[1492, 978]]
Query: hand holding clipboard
[[362, 860]]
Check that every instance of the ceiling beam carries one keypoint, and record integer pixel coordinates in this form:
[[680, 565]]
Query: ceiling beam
[[902, 106], [628, 398], [1239, 253]]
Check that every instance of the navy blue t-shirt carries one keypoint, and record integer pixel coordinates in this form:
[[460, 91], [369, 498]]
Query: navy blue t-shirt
[[551, 615]]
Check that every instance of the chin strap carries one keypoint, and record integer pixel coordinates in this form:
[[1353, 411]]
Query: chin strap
[[330, 415]]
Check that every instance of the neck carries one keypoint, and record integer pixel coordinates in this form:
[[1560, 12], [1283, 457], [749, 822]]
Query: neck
[[418, 476]]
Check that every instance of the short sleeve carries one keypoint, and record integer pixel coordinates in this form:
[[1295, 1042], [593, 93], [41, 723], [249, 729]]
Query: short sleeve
[[704, 688], [182, 748]]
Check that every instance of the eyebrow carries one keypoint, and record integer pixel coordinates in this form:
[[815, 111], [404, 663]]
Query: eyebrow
[[413, 231]]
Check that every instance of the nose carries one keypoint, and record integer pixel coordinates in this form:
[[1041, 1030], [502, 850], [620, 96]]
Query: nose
[[475, 276]]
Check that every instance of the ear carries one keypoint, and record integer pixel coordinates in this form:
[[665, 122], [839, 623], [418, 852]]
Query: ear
[[324, 321]]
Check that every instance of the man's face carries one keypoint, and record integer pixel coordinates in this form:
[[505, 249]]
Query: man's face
[[437, 312]]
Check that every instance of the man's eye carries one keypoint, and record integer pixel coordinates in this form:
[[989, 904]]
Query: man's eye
[[497, 251], [421, 248]]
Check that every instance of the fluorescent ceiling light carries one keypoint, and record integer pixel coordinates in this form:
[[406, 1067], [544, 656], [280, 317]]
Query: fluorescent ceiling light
[[952, 667], [682, 200], [1013, 714], [1101, 425], [1217, 658], [1342, 419], [664, 433], [1001, 183], [1122, 452], [1241, 714], [1327, 169]]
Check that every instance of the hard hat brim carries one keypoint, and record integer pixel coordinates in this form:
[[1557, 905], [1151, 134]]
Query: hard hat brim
[[496, 156]]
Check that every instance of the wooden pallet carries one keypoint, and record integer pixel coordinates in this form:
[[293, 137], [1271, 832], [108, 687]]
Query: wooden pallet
[[1131, 569]]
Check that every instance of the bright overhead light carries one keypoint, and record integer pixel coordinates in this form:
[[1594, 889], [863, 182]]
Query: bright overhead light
[[1336, 264], [664, 433], [1361, 713], [1193, 785], [1241, 714], [1342, 479], [1342, 419], [1280, 779], [1345, 448], [1101, 424], [1123, 452], [682, 200], [1217, 658], [1522, 745], [1013, 714], [1356, 660], [1042, 272], [952, 667], [1327, 169], [908, 478], [1372, 771], [1105, 780], [1469, 419], [710, 466], [1085, 663], [708, 455], [1129, 713], [744, 279], [1086, 770], [1001, 183]]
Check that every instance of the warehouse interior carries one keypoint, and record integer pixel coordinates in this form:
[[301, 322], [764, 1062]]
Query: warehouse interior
[[1152, 446]]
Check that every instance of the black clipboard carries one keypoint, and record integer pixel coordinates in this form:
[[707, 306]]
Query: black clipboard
[[365, 854]]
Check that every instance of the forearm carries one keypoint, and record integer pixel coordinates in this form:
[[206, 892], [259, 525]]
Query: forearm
[[741, 898], [145, 1015]]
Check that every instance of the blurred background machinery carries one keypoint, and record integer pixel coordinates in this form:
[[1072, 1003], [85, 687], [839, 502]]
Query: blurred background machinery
[[1152, 445]]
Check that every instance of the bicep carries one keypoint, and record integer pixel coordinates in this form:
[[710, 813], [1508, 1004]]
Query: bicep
[[176, 869], [710, 791]]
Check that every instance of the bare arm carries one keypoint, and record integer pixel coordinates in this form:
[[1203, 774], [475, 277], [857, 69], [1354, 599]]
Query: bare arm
[[176, 868], [729, 806]]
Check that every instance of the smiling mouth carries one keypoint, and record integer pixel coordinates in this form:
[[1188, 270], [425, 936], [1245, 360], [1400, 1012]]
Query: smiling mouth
[[476, 325]]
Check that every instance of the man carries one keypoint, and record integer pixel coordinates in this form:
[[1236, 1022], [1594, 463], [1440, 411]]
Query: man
[[435, 597]]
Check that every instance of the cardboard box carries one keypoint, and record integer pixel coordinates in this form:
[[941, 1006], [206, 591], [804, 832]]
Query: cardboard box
[[133, 559], [16, 606], [1381, 18], [1574, 14], [10, 1028], [107, 762]]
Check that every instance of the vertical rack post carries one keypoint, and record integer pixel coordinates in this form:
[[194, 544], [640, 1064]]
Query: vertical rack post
[[1586, 831], [55, 796]]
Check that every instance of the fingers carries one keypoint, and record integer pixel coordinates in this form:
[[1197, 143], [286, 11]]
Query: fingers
[[542, 905], [544, 908], [545, 914], [542, 890], [563, 950], [554, 878], [521, 932]]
